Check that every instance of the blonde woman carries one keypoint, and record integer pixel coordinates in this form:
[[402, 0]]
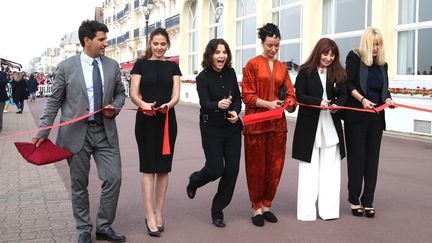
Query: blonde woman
[[19, 91], [367, 85]]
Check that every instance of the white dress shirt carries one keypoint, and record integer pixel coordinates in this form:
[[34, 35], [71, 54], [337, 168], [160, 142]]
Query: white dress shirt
[[87, 67]]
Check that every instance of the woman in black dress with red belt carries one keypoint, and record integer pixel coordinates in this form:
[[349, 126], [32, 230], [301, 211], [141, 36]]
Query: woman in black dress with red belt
[[155, 83]]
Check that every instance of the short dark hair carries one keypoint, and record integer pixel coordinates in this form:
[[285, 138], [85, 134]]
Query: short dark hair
[[210, 50], [158, 31], [89, 28], [268, 30]]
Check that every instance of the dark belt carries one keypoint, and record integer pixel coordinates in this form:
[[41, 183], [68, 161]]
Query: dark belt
[[93, 123]]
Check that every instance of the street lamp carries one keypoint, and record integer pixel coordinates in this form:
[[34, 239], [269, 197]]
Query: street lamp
[[147, 8], [218, 14]]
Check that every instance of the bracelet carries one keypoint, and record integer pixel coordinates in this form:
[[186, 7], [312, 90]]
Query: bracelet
[[361, 101]]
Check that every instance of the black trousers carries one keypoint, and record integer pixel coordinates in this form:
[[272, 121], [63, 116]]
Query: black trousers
[[222, 152], [363, 143]]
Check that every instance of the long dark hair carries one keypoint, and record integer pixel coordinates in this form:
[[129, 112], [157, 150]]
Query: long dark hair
[[210, 50], [158, 31], [335, 71]]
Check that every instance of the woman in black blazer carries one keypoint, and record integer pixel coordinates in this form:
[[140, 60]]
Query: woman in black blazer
[[220, 127], [367, 85], [318, 138]]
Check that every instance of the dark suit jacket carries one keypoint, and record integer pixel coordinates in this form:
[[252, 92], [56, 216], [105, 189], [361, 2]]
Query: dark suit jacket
[[69, 94], [309, 90], [3, 83], [357, 73]]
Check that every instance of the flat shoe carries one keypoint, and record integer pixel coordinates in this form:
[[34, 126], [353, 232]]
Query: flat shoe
[[270, 217], [258, 220], [357, 211], [219, 223], [369, 212]]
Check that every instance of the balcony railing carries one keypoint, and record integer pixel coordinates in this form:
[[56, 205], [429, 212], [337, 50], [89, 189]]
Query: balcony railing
[[172, 21]]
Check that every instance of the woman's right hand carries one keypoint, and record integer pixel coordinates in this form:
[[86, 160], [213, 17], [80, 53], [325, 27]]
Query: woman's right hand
[[275, 104], [224, 104], [367, 104], [147, 106]]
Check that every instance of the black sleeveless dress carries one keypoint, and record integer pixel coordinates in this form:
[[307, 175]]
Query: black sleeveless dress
[[155, 86]]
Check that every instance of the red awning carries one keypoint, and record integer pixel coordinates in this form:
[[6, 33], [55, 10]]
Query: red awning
[[175, 59], [126, 66]]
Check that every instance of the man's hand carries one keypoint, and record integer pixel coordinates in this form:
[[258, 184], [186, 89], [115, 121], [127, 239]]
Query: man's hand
[[108, 111], [37, 140]]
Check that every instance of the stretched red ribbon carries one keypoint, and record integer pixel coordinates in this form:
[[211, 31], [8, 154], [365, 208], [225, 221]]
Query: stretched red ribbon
[[277, 113], [166, 143]]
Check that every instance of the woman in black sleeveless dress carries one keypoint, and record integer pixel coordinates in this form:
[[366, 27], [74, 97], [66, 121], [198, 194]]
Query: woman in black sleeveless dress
[[155, 83]]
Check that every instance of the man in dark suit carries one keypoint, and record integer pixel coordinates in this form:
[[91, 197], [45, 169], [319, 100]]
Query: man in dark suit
[[85, 83]]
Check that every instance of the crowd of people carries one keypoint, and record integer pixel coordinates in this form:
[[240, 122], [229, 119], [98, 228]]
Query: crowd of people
[[318, 145]]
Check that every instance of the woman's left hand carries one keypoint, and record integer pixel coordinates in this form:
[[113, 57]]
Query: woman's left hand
[[163, 108], [233, 117]]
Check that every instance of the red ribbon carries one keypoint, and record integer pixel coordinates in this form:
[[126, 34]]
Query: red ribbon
[[277, 113], [166, 143]]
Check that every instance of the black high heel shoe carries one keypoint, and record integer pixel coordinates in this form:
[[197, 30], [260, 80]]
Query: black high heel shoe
[[357, 211], [161, 228], [369, 212], [152, 233]]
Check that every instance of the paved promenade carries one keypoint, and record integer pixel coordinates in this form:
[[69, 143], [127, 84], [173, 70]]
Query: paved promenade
[[35, 205]]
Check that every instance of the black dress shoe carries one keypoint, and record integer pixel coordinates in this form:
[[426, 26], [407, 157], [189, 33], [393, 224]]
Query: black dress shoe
[[152, 233], [191, 191], [270, 217], [110, 235], [357, 211], [84, 238], [219, 223], [258, 220]]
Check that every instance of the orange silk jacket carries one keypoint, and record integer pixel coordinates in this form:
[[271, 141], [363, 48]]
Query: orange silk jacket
[[259, 82]]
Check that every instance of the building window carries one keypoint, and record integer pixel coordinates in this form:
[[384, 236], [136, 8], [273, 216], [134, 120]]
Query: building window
[[344, 21], [193, 57], [246, 33], [414, 35], [216, 11], [287, 14]]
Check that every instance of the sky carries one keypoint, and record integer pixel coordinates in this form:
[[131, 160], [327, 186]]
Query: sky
[[29, 27]]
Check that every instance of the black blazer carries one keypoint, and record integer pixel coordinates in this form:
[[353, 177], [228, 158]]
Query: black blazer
[[213, 86], [309, 90], [357, 73]]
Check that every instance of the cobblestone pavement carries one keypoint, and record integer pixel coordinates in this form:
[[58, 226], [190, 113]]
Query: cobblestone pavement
[[34, 203]]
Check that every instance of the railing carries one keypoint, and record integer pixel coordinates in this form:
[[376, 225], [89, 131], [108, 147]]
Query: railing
[[172, 21], [45, 90]]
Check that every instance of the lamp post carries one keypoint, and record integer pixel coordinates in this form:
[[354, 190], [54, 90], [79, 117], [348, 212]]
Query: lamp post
[[147, 8], [218, 14]]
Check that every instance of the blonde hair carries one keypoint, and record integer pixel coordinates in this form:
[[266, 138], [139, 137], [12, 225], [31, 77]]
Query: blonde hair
[[366, 46], [17, 76]]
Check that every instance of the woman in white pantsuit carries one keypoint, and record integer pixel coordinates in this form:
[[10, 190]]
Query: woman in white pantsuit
[[318, 138]]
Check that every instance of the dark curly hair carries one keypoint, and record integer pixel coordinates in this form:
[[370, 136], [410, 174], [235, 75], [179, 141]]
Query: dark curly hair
[[268, 30], [210, 50]]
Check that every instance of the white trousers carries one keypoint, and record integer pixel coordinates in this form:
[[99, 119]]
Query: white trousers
[[319, 180]]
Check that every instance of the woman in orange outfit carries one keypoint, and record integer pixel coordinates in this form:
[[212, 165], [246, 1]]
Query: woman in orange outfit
[[266, 86]]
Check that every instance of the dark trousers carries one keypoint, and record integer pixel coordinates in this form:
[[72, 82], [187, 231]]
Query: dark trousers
[[222, 153], [363, 143], [20, 105]]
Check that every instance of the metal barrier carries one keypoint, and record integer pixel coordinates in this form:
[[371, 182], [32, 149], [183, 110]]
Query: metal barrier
[[45, 90]]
